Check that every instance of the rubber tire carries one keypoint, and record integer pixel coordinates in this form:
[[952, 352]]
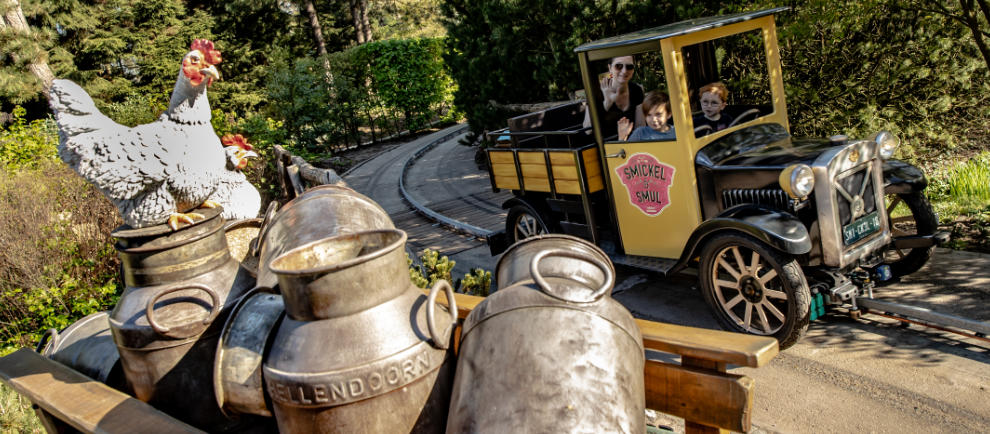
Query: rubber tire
[[927, 224], [789, 274], [515, 213]]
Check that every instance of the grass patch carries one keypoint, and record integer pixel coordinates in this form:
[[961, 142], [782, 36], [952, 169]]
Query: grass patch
[[960, 195], [16, 415]]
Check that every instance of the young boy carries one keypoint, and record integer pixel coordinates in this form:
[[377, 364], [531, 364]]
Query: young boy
[[656, 112], [713, 100]]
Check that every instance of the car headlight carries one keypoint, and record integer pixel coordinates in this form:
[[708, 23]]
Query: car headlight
[[797, 180], [887, 142]]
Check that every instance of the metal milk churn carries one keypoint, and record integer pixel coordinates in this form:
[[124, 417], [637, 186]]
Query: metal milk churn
[[320, 212], [168, 319], [361, 348], [550, 350]]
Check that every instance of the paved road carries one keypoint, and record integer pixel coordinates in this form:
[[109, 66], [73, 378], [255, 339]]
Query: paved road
[[866, 375]]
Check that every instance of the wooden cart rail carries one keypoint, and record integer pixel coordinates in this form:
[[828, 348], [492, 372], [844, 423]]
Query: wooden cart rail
[[698, 390]]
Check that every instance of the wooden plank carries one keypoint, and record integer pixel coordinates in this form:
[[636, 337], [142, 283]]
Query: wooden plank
[[507, 182], [538, 171], [500, 157], [82, 402], [735, 348], [502, 169], [704, 397], [531, 158], [564, 173], [590, 156], [562, 158], [537, 184]]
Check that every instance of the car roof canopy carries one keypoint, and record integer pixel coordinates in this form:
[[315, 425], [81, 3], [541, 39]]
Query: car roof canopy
[[675, 29]]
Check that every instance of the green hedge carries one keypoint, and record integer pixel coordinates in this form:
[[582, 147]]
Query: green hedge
[[371, 90]]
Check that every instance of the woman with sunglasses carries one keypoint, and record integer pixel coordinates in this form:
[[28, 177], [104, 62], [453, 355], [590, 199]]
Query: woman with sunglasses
[[621, 97]]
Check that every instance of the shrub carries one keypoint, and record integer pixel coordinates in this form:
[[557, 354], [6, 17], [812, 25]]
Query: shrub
[[57, 263], [27, 144], [409, 75], [433, 267]]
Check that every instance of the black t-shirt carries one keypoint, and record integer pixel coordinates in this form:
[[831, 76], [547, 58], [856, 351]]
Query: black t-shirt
[[719, 125], [610, 122]]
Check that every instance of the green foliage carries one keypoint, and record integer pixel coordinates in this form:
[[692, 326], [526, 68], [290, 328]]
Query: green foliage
[[263, 133], [859, 67], [433, 267], [477, 282], [971, 180], [26, 144], [323, 110], [404, 19], [409, 76], [523, 52]]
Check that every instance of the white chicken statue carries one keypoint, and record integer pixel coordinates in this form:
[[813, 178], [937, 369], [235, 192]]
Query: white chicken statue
[[162, 171]]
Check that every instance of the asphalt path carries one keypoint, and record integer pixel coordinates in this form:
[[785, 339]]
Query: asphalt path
[[847, 375]]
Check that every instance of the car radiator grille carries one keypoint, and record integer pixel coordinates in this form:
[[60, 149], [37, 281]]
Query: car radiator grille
[[770, 197], [855, 184]]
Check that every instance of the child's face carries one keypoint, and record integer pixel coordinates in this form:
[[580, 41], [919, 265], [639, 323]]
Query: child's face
[[711, 104], [657, 117]]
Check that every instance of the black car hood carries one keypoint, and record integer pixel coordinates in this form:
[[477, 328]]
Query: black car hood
[[764, 145]]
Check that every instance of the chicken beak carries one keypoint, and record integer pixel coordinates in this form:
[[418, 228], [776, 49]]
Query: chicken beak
[[211, 72]]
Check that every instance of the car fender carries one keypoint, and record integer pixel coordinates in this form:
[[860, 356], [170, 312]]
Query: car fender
[[780, 230], [900, 178]]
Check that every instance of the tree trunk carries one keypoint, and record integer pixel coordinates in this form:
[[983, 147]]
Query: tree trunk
[[314, 23], [362, 26], [972, 17], [14, 17]]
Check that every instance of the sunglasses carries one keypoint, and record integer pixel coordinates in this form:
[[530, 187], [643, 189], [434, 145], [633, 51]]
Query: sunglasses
[[628, 66]]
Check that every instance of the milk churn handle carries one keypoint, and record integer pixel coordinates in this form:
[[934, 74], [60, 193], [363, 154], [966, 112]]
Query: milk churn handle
[[51, 335], [534, 269], [184, 331], [255, 246], [431, 308]]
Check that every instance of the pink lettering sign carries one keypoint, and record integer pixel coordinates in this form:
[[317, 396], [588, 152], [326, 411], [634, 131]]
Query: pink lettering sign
[[648, 182]]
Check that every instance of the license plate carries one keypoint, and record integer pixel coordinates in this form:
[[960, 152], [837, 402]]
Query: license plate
[[858, 229]]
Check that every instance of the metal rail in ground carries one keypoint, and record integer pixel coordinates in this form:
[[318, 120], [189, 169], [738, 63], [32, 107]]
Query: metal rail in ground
[[981, 329]]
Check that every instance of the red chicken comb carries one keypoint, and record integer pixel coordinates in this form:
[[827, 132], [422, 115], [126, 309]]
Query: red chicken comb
[[205, 46], [236, 140]]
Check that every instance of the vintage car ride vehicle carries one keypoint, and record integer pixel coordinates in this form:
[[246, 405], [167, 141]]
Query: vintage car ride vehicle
[[777, 226]]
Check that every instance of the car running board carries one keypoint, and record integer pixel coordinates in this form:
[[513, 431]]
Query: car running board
[[659, 265]]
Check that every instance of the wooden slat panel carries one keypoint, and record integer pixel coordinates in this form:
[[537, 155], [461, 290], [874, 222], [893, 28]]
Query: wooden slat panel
[[532, 158], [82, 402], [501, 169], [562, 158], [567, 187], [500, 157], [735, 348], [533, 171], [508, 183], [537, 184], [568, 173], [590, 155], [573, 187], [595, 183], [706, 397]]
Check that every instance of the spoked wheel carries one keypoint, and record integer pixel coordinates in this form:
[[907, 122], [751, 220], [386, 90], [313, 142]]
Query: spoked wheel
[[524, 222], [755, 289], [909, 214]]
